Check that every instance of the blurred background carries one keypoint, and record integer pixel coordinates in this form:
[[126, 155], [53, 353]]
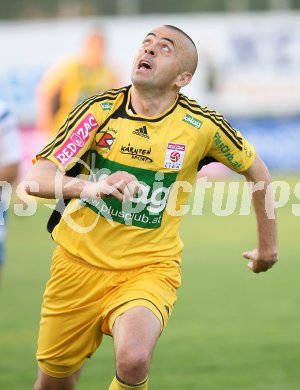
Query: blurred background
[[249, 50], [239, 331]]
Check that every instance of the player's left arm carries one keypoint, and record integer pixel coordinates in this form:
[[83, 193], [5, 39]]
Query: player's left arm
[[266, 254], [228, 146]]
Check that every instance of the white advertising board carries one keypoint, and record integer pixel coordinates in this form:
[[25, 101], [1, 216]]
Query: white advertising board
[[249, 64]]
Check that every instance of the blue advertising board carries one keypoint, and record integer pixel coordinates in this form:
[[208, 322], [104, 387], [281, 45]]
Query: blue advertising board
[[276, 140]]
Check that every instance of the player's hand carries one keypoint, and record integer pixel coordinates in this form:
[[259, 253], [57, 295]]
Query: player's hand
[[260, 262], [120, 185]]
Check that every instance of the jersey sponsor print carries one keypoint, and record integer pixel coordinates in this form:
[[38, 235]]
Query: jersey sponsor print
[[146, 209], [174, 156], [76, 141]]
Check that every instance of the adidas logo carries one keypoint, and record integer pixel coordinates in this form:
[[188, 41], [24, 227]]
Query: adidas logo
[[141, 132]]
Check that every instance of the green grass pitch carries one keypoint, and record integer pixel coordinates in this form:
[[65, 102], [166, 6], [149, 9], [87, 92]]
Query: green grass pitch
[[230, 330]]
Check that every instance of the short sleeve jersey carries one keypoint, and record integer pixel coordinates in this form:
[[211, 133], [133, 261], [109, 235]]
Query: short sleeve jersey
[[103, 135], [76, 83]]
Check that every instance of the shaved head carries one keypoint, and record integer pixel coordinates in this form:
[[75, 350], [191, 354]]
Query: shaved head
[[190, 56]]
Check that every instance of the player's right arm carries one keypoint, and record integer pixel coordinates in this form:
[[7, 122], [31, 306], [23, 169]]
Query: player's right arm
[[51, 176], [45, 180]]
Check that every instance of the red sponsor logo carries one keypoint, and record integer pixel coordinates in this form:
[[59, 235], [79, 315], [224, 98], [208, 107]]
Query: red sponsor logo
[[179, 147], [76, 141], [106, 141], [174, 156]]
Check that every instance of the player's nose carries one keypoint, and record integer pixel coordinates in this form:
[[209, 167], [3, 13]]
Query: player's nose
[[150, 50]]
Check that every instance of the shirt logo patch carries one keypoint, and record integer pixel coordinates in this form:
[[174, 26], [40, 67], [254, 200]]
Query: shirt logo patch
[[107, 138], [142, 132], [106, 141], [192, 121], [106, 106], [77, 139], [174, 156]]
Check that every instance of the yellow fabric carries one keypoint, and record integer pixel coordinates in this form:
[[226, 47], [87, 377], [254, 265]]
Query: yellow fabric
[[75, 82], [117, 385], [162, 152], [82, 301]]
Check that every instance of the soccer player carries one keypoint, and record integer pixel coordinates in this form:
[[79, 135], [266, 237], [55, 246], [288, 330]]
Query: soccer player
[[71, 81], [116, 267], [10, 155]]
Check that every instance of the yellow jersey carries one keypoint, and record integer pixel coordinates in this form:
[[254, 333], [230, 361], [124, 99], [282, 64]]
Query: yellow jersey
[[76, 82], [104, 135]]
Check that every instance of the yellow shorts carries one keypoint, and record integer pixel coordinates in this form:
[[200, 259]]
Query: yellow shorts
[[81, 303]]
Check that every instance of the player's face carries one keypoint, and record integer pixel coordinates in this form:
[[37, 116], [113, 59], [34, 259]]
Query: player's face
[[158, 62]]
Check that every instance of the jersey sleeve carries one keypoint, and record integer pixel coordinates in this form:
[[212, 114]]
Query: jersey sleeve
[[229, 147], [74, 138]]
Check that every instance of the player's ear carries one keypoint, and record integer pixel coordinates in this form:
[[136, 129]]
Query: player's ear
[[183, 79]]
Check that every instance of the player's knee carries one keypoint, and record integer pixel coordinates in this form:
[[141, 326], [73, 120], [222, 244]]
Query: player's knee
[[45, 382], [133, 363], [42, 385], [39, 385]]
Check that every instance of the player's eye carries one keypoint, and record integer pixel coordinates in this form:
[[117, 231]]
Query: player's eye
[[165, 48]]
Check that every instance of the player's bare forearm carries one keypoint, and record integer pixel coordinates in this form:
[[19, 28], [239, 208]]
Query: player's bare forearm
[[266, 254], [45, 180]]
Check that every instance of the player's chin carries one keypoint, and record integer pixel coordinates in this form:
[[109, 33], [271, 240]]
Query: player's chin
[[140, 78]]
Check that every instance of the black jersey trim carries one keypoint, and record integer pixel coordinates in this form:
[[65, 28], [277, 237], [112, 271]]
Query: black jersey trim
[[218, 117], [189, 101], [225, 123], [111, 94], [122, 112], [62, 133], [214, 120], [205, 161]]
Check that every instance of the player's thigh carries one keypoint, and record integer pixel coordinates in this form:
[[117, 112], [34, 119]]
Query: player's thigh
[[71, 317], [136, 332], [153, 287]]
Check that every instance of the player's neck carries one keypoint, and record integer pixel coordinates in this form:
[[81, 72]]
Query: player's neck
[[150, 103]]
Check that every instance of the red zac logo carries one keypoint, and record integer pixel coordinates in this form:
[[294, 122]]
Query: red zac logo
[[106, 140], [78, 141], [174, 156]]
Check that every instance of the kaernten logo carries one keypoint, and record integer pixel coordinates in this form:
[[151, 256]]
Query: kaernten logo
[[137, 153]]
